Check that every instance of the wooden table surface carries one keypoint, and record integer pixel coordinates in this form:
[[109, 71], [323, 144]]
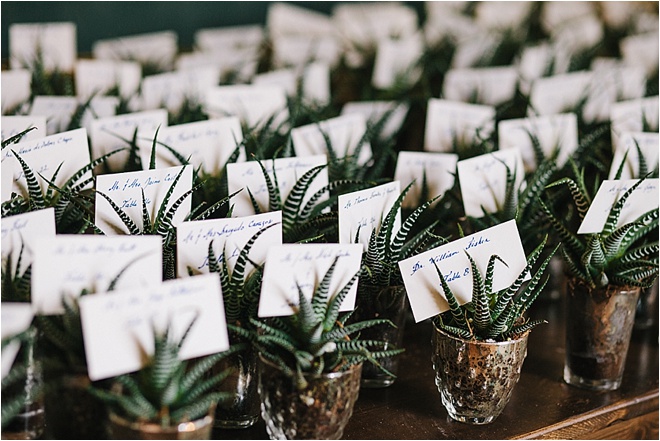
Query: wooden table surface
[[542, 405]]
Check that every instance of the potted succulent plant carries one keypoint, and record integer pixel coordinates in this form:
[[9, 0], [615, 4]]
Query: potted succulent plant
[[71, 411], [479, 347], [240, 293], [309, 377], [23, 416], [22, 391], [606, 271], [168, 398], [381, 292]]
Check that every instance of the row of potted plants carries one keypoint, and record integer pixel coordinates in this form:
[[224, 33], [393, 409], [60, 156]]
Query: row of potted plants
[[318, 350]]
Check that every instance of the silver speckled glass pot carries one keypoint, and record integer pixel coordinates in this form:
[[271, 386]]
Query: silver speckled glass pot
[[476, 378]]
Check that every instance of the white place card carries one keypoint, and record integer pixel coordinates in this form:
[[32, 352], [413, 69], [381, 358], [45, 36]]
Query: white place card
[[170, 90], [16, 318], [108, 134], [228, 38], [99, 107], [642, 199], [534, 62], [557, 14], [345, 133], [375, 111], [118, 327], [483, 180], [249, 175], [66, 264], [502, 15], [365, 24], [254, 105], [316, 84], [421, 279], [363, 211], [206, 144], [580, 34], [553, 133], [229, 237], [155, 48], [15, 88], [56, 41], [634, 116], [397, 62], [288, 18], [286, 79], [559, 93], [24, 231], [237, 64], [100, 76], [474, 50], [440, 170], [7, 183], [491, 86], [647, 142], [57, 110], [13, 125], [641, 50], [290, 266], [126, 190], [607, 88], [299, 50], [44, 156], [444, 20], [449, 122]]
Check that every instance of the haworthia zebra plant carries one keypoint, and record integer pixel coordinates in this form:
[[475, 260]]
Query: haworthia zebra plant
[[387, 247], [316, 338], [15, 393], [494, 315], [16, 286], [305, 222], [522, 204], [626, 255], [167, 391], [240, 290], [73, 207], [161, 224]]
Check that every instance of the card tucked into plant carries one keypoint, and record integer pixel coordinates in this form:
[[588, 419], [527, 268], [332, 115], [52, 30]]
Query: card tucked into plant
[[56, 157], [422, 282], [293, 266], [642, 199], [229, 236], [21, 233], [118, 326], [483, 180], [129, 191], [361, 212], [250, 177], [64, 265]]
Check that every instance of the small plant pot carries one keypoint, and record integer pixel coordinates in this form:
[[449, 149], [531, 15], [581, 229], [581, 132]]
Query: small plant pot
[[376, 302], [72, 412], [599, 324], [30, 421], [319, 411], [646, 315], [243, 381], [476, 378], [121, 428]]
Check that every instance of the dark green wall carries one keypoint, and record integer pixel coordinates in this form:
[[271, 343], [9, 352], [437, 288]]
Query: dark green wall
[[100, 20]]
